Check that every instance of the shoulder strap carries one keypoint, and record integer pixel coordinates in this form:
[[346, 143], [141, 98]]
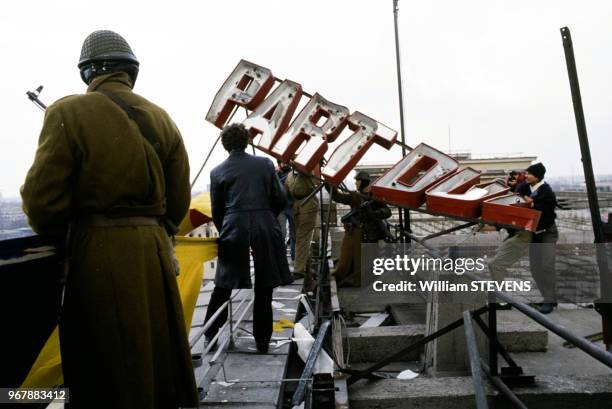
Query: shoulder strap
[[146, 131], [149, 135]]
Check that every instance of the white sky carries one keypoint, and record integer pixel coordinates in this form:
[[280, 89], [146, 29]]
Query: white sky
[[494, 70]]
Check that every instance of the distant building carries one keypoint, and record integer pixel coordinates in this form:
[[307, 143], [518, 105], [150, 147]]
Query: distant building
[[13, 222], [492, 167]]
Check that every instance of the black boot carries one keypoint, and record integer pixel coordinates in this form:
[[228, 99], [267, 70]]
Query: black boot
[[207, 341], [263, 347], [547, 307]]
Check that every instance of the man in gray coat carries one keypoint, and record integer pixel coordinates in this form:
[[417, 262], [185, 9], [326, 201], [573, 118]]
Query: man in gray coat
[[246, 198]]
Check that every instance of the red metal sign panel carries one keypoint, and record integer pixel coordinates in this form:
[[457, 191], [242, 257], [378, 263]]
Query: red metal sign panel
[[366, 131], [306, 140], [246, 86], [466, 204], [511, 210], [271, 117], [406, 182], [424, 175]]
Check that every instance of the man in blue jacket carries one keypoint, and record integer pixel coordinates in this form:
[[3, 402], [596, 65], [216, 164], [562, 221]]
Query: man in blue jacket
[[246, 198]]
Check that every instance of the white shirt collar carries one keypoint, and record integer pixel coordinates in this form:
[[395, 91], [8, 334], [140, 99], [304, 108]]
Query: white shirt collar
[[536, 186]]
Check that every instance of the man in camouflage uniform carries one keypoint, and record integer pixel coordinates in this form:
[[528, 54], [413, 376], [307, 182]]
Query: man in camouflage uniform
[[111, 169], [299, 187], [363, 224]]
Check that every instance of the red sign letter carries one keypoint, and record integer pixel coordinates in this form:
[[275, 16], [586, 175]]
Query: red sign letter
[[366, 132], [272, 116], [406, 182], [246, 86], [511, 210], [307, 127]]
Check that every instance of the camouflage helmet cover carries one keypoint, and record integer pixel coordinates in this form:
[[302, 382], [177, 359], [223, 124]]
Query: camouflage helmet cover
[[106, 45]]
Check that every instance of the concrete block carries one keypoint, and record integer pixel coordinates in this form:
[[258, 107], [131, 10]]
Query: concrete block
[[550, 392], [516, 337], [407, 314], [374, 344], [359, 300], [448, 354], [430, 393]]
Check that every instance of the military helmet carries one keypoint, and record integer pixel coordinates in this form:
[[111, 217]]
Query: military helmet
[[105, 51], [106, 45], [362, 175]]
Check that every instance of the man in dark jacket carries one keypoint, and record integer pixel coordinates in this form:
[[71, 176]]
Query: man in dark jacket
[[542, 251], [540, 244], [246, 198]]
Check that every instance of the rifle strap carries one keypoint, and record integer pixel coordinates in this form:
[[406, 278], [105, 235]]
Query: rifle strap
[[145, 130]]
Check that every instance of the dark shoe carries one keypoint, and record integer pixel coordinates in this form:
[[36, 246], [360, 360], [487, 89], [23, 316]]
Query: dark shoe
[[207, 341], [297, 275], [310, 286], [263, 347], [547, 307]]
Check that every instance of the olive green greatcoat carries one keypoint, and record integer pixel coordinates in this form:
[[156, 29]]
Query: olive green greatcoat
[[122, 333], [299, 186]]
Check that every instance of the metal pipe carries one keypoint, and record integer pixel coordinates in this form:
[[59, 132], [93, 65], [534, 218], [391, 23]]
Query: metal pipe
[[231, 319], [208, 323], [585, 150], [404, 215], [502, 387], [398, 65], [587, 165], [326, 232], [212, 319], [472, 346], [447, 231], [311, 195], [209, 347], [211, 150], [587, 346], [492, 333], [315, 349], [401, 353], [223, 345], [213, 367], [500, 349]]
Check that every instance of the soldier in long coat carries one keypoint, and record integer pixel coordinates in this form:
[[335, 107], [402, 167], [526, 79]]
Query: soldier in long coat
[[246, 198], [122, 333]]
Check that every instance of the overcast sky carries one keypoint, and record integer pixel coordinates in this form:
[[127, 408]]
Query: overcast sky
[[494, 70]]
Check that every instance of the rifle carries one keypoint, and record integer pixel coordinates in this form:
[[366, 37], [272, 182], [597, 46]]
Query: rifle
[[33, 96]]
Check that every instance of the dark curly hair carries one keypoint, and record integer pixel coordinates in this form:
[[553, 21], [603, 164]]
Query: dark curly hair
[[234, 137]]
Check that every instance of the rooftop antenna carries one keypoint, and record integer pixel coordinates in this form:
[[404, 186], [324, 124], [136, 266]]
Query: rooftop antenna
[[601, 305], [404, 215]]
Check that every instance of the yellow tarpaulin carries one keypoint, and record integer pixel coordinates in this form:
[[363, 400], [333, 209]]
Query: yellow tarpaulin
[[199, 213], [191, 254]]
